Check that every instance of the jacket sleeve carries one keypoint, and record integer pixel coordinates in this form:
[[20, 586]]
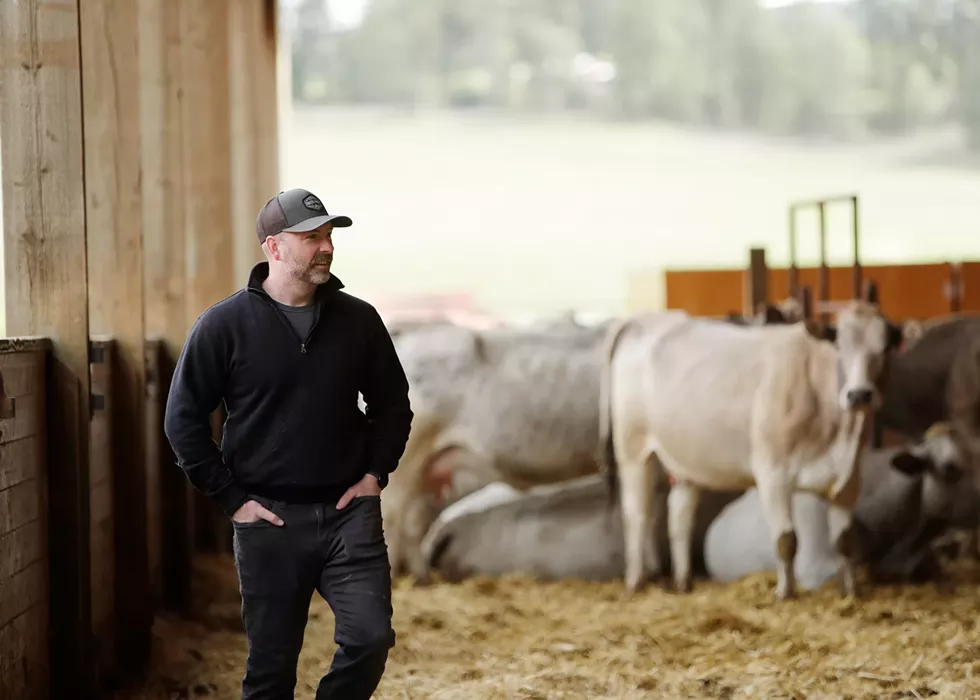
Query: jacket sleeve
[[196, 391], [385, 392]]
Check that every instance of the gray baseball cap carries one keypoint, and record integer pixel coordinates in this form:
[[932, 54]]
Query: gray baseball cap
[[295, 211]]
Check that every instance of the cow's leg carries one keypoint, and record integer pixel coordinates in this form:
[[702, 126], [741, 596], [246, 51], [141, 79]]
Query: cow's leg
[[636, 486], [682, 506], [843, 534], [776, 495]]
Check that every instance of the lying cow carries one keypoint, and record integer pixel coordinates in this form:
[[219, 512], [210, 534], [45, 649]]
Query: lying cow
[[564, 531], [722, 407], [908, 497], [556, 532], [518, 406]]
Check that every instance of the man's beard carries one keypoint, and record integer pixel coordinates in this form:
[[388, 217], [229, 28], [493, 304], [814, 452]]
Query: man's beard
[[314, 274]]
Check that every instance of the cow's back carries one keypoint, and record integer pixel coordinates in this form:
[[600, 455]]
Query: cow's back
[[699, 381], [527, 400]]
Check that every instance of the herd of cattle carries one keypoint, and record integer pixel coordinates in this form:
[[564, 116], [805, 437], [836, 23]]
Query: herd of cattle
[[667, 444]]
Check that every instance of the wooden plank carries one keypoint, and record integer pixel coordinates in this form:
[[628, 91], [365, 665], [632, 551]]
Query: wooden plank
[[970, 287], [46, 284], [24, 670], [254, 123], [27, 421], [21, 460], [19, 505], [208, 192], [206, 152], [162, 96], [102, 552], [110, 80], [23, 590], [756, 282], [20, 548], [23, 371], [153, 431]]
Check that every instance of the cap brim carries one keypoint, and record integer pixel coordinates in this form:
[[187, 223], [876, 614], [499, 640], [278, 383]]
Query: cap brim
[[338, 220]]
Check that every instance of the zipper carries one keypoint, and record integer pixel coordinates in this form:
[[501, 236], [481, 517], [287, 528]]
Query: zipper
[[282, 317]]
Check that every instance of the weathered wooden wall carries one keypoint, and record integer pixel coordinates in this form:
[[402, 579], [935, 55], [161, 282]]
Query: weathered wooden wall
[[139, 142], [907, 291], [24, 662], [109, 32], [45, 264]]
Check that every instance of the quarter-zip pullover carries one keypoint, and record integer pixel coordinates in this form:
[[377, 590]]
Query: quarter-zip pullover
[[294, 431]]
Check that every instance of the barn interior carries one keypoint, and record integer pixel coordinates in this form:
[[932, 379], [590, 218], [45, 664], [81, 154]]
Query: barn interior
[[603, 160]]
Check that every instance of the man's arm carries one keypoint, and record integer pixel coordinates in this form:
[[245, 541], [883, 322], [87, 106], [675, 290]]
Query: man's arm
[[385, 392], [195, 392]]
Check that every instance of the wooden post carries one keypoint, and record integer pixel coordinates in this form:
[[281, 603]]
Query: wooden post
[[756, 283], [254, 124], [110, 82], [164, 274], [47, 290], [207, 182]]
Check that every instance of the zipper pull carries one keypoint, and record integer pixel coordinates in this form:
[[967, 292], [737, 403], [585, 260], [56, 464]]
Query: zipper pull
[[302, 349]]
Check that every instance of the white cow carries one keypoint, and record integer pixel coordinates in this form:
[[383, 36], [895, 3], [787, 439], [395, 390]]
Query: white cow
[[516, 406], [723, 407]]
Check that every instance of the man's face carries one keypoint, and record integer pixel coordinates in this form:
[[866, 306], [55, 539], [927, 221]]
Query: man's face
[[306, 257]]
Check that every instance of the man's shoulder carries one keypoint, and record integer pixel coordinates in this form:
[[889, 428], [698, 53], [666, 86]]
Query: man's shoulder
[[223, 312]]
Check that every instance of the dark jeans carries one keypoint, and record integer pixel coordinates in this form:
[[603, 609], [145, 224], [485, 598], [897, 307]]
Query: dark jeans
[[339, 553]]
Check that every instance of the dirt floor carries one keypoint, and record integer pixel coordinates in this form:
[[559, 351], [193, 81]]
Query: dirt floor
[[516, 638]]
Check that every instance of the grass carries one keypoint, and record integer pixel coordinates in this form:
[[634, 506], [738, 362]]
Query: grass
[[545, 214], [536, 216]]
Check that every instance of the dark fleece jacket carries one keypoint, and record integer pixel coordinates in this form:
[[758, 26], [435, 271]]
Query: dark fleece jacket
[[294, 430]]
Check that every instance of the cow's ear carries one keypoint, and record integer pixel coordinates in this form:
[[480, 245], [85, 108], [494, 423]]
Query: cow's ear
[[895, 336], [910, 464], [774, 315], [911, 331]]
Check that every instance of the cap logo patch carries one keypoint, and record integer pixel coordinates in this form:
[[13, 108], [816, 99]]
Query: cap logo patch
[[311, 202]]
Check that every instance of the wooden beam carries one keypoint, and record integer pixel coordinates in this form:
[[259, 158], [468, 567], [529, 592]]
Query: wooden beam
[[208, 207], [254, 123], [46, 290], [110, 80], [164, 276], [756, 282], [206, 140]]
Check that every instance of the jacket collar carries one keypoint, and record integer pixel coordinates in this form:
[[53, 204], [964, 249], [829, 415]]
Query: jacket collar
[[260, 271]]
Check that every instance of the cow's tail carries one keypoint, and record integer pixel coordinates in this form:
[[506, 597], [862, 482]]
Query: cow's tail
[[606, 456]]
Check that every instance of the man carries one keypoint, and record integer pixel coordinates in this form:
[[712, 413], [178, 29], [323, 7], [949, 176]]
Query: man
[[300, 468]]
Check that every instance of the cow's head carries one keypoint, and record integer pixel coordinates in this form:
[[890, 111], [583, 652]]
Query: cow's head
[[864, 341], [936, 456]]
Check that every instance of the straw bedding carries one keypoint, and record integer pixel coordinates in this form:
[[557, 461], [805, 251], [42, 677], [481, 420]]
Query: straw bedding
[[518, 638]]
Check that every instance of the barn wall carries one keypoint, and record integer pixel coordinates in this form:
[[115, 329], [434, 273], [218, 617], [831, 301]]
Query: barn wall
[[45, 265], [124, 219], [24, 609]]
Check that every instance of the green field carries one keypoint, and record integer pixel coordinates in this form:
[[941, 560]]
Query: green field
[[539, 216]]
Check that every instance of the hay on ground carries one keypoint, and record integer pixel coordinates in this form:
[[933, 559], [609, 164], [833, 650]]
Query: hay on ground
[[517, 638]]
